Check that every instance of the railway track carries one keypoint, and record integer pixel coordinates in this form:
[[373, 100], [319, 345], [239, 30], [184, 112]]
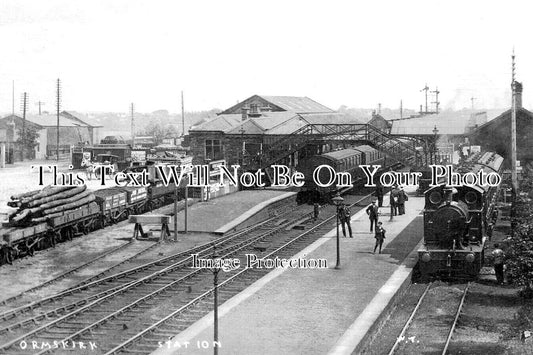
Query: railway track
[[153, 335], [431, 325], [70, 275], [107, 281], [89, 295], [123, 309], [127, 265]]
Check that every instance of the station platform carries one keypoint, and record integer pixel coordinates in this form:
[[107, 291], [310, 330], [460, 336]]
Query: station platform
[[228, 212], [316, 311]]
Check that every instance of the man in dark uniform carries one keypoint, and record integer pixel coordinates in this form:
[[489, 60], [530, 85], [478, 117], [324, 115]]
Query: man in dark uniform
[[316, 210], [372, 211], [379, 194], [344, 218], [380, 237], [402, 197], [498, 256], [393, 201]]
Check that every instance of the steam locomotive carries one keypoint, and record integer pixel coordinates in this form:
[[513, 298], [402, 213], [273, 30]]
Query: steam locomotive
[[457, 223]]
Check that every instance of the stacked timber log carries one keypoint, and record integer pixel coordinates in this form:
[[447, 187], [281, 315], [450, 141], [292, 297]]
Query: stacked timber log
[[52, 201]]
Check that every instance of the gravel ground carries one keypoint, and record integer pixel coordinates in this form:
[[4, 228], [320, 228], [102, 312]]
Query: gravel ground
[[44, 265], [492, 321]]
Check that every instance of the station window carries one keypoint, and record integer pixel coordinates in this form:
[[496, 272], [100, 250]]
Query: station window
[[213, 149]]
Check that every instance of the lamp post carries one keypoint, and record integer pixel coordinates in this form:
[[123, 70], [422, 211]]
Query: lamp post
[[242, 130], [337, 200], [207, 188], [215, 271], [435, 131]]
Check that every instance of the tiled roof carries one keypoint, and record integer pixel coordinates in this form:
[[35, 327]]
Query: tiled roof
[[262, 124], [220, 123], [272, 123], [48, 120], [334, 117], [81, 118], [5, 122], [452, 123], [289, 126], [297, 104], [502, 115]]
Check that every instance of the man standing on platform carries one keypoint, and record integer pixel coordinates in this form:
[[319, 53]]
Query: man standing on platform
[[344, 218], [497, 255], [380, 237], [316, 210], [373, 211], [393, 201], [379, 194], [402, 197]]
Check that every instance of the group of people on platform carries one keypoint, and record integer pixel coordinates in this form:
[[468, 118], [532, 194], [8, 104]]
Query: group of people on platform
[[397, 207], [398, 197]]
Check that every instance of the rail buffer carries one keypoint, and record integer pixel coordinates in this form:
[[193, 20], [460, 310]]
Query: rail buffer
[[152, 219]]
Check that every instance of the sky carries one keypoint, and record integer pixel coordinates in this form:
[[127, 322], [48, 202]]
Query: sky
[[111, 53]]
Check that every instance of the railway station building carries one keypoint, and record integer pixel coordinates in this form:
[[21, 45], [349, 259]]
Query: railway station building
[[244, 131]]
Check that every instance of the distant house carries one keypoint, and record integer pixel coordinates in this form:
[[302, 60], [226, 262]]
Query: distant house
[[10, 127], [72, 130], [93, 130]]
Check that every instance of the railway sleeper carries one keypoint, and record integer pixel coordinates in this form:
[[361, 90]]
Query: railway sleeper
[[118, 324], [141, 349], [156, 340], [144, 306], [59, 331], [155, 283], [165, 332]]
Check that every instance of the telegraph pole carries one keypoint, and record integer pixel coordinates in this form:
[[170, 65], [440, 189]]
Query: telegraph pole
[[24, 105], [401, 109], [11, 152], [40, 103], [472, 99], [58, 105], [436, 102], [426, 89], [132, 126], [182, 116], [513, 131]]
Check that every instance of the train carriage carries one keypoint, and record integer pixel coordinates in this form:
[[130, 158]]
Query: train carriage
[[457, 222], [343, 160]]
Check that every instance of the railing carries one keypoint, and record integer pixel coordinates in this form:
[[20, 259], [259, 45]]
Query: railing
[[396, 148]]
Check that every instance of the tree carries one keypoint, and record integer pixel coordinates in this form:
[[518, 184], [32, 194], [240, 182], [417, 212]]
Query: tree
[[519, 255], [160, 131], [28, 140], [155, 130]]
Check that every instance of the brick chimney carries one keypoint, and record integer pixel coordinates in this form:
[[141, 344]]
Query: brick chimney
[[518, 91], [245, 111]]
